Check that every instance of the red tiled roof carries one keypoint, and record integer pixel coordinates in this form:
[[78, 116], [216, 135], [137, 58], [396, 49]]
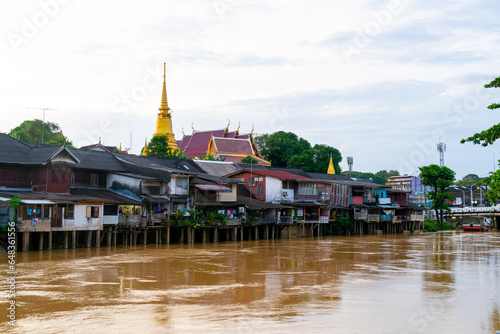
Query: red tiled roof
[[233, 146], [278, 174]]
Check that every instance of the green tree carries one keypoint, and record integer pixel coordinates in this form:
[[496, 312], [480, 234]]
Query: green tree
[[280, 146], [469, 180], [260, 141], [386, 174], [31, 131], [158, 147], [316, 159], [209, 157], [249, 160], [493, 189], [15, 203], [440, 178], [489, 136]]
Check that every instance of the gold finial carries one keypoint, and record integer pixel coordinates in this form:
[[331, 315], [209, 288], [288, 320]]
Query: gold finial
[[331, 169], [145, 149], [237, 130], [164, 102], [183, 134], [120, 147], [192, 126], [252, 130], [227, 127]]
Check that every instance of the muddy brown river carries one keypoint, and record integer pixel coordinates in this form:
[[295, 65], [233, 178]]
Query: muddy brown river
[[432, 283]]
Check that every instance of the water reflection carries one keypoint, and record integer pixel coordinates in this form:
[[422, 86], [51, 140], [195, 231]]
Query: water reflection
[[354, 284]]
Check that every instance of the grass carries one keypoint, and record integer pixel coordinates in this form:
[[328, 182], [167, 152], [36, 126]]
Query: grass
[[432, 226]]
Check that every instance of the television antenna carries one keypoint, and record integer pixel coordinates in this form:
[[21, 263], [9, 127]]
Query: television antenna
[[350, 162], [43, 119], [441, 147]]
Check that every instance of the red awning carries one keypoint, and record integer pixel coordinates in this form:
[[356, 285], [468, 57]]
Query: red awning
[[214, 187]]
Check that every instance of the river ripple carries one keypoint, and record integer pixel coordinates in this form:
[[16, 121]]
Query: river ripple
[[432, 283]]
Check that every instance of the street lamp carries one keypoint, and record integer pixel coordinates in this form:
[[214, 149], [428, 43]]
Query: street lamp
[[471, 195], [463, 202]]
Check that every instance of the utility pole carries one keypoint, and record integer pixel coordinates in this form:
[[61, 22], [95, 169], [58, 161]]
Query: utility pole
[[43, 119]]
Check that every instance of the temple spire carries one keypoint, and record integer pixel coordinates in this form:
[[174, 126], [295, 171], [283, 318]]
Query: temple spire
[[145, 149], [331, 169], [164, 102]]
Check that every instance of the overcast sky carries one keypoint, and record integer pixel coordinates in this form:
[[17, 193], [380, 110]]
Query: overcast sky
[[382, 81]]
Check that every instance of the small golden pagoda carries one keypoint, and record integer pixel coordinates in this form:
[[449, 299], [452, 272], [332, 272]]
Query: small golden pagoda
[[164, 120], [331, 169]]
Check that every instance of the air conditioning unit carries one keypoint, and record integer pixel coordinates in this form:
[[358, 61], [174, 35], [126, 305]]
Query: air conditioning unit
[[287, 195]]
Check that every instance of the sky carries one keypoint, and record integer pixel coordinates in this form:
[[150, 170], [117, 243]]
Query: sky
[[382, 81]]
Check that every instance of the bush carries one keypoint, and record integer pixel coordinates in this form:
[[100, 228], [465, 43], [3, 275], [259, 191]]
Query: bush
[[432, 226]]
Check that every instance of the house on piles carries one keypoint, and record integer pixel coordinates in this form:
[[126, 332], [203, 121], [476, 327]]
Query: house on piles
[[62, 192]]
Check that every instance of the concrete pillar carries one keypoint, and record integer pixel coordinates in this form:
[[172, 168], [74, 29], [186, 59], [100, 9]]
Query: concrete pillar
[[73, 239], [266, 232], [145, 237], [241, 233], [156, 236], [204, 236], [235, 234], [256, 233], [114, 236], [216, 234], [108, 237], [168, 235], [273, 231], [26, 241], [50, 240], [98, 238], [40, 243], [136, 232], [89, 239]]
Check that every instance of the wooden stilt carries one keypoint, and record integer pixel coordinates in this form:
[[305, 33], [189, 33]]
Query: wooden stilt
[[168, 235], [108, 236], [241, 233], [89, 239], [50, 240], [40, 243], [26, 241], [98, 238], [235, 234], [256, 233], [145, 237], [216, 234], [73, 239], [66, 237]]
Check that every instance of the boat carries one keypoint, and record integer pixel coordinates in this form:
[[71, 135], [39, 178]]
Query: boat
[[475, 224]]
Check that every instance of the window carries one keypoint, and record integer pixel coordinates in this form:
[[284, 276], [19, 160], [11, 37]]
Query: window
[[69, 211], [181, 183], [152, 190], [253, 181], [92, 212], [72, 178], [260, 190], [308, 188], [94, 179]]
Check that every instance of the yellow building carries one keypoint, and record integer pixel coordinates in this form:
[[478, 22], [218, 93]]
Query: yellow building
[[164, 120]]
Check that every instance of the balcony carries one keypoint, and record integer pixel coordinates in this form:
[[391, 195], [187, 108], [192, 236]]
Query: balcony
[[369, 200], [417, 218], [35, 225], [385, 218], [285, 220], [361, 215]]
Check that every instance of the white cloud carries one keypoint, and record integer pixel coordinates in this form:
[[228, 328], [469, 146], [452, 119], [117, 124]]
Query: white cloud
[[278, 65]]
